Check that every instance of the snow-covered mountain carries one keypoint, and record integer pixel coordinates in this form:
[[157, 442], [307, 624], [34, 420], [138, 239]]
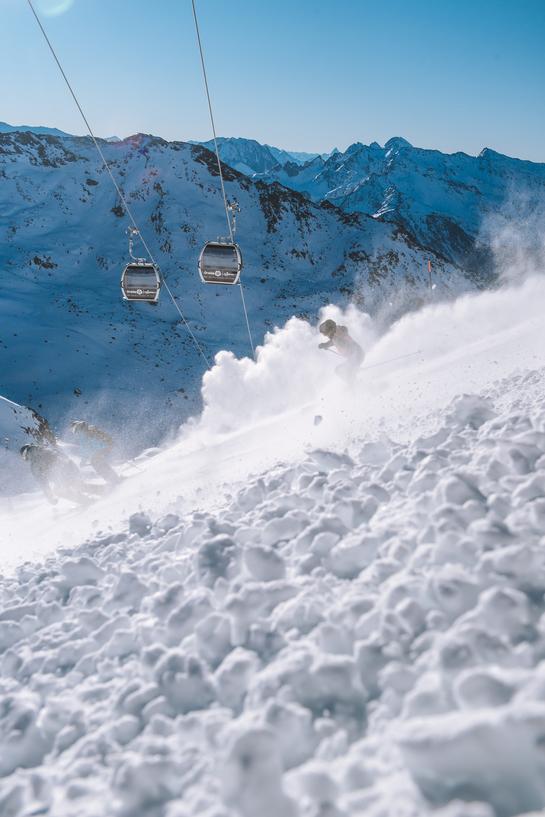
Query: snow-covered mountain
[[451, 203], [320, 598], [254, 159], [69, 345], [446, 200], [246, 155]]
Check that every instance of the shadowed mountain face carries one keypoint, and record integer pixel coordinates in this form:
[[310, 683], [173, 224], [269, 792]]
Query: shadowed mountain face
[[69, 345]]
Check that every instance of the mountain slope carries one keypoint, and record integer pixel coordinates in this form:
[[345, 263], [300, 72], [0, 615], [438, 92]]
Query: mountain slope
[[69, 343], [350, 627]]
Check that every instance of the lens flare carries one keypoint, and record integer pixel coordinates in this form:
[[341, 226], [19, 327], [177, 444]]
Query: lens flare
[[53, 8]]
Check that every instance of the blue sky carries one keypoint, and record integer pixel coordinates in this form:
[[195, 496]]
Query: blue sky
[[447, 74]]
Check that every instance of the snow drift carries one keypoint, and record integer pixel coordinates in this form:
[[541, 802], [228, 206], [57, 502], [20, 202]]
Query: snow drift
[[346, 634]]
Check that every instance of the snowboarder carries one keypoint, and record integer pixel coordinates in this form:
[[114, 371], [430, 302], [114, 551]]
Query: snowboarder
[[95, 447], [344, 345], [55, 473]]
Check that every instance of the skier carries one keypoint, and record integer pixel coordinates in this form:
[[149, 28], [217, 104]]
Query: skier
[[95, 448], [344, 345], [55, 473]]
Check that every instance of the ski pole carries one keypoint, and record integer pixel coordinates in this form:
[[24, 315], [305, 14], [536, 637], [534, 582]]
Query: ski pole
[[383, 362], [391, 360]]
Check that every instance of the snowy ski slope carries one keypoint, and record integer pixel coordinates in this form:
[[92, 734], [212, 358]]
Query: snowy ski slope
[[258, 414], [280, 616]]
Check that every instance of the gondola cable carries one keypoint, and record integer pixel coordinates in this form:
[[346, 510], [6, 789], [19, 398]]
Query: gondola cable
[[114, 182], [215, 139]]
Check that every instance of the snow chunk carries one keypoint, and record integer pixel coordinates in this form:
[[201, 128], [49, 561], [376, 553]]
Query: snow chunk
[[78, 572], [330, 459], [253, 777], [22, 742], [184, 682], [470, 410], [264, 564], [492, 756], [140, 524]]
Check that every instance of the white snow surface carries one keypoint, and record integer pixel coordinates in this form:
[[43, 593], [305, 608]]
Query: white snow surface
[[321, 601]]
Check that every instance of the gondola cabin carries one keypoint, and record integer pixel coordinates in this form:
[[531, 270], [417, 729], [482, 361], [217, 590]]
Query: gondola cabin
[[220, 263], [141, 282]]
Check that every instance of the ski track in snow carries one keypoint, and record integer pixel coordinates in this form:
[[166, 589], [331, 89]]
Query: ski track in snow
[[325, 620]]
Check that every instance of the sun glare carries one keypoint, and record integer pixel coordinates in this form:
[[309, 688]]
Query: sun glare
[[53, 8]]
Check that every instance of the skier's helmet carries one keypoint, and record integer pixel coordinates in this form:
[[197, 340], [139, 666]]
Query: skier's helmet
[[328, 327]]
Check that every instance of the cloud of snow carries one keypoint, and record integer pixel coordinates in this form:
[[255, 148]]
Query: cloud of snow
[[144, 421], [516, 235], [289, 372], [424, 359], [452, 329]]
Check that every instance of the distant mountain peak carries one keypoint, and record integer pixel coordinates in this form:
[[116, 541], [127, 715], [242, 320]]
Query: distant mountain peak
[[38, 129], [41, 130], [396, 143]]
